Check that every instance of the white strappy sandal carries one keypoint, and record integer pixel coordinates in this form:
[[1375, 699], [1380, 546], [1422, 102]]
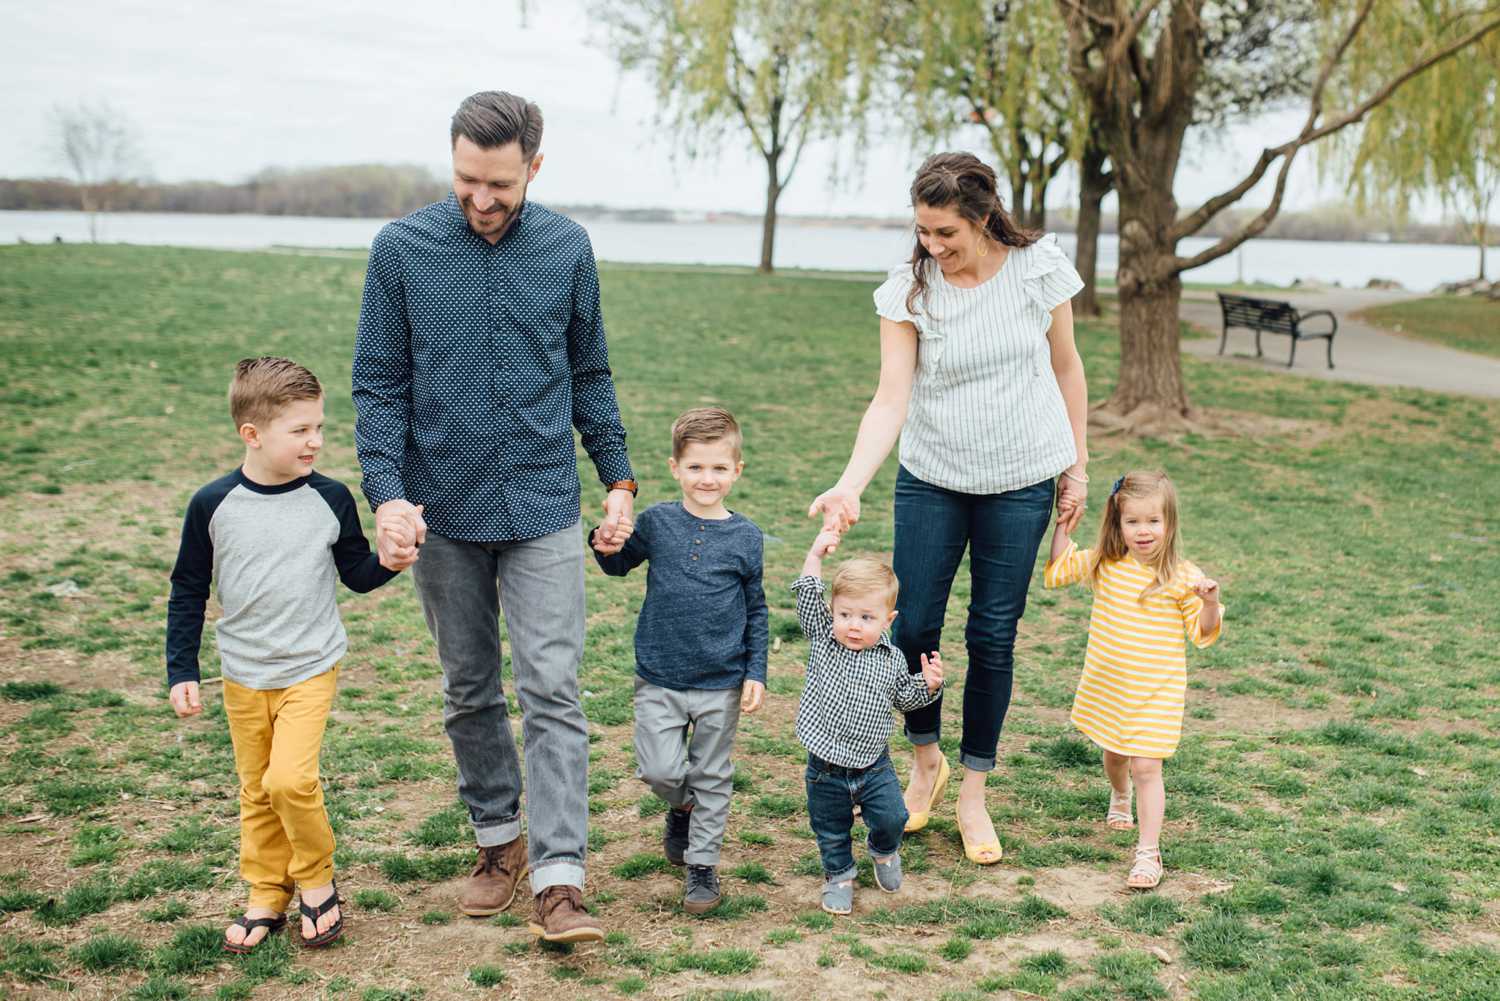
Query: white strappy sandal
[[1147, 871]]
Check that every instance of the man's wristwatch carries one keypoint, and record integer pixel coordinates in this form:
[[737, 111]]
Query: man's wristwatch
[[625, 485]]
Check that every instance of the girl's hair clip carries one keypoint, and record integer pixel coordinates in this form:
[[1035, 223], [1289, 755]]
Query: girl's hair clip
[[1116, 488]]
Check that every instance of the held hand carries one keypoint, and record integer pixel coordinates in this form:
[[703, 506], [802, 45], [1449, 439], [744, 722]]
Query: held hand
[[1072, 501], [619, 518], [932, 671], [826, 543], [839, 508], [399, 530], [1208, 589], [752, 696], [623, 531], [184, 699]]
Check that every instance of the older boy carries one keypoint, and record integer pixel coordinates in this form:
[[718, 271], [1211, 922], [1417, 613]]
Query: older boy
[[274, 534], [700, 642], [855, 676]]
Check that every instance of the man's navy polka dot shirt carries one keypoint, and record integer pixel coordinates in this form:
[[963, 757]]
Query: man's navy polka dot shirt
[[473, 365]]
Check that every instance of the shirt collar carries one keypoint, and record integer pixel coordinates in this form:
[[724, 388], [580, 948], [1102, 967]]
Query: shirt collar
[[455, 215]]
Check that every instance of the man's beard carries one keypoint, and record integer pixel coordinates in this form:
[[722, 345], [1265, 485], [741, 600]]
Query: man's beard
[[507, 218]]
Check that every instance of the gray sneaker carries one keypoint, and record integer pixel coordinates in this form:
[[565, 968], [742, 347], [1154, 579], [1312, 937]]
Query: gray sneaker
[[700, 893], [888, 873], [838, 898]]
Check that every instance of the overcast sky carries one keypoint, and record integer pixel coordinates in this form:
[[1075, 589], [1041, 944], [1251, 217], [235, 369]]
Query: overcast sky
[[219, 90]]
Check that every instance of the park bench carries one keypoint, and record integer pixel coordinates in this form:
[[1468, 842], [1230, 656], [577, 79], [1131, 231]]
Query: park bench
[[1273, 317]]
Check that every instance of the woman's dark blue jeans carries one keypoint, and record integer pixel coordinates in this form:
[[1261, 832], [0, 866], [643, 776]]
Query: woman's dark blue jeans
[[1002, 533]]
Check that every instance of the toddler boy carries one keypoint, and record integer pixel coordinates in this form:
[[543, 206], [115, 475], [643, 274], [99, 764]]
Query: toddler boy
[[855, 676]]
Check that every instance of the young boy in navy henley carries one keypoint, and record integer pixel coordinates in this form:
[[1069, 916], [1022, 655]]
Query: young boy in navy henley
[[272, 534], [700, 643]]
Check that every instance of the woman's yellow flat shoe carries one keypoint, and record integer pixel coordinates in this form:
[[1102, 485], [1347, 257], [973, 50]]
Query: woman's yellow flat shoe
[[918, 820], [980, 852]]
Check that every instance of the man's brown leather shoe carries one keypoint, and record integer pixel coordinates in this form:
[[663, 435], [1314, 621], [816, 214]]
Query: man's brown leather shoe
[[492, 884], [560, 917]]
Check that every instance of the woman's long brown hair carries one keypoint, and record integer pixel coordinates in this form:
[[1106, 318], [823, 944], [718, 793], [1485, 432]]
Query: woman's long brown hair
[[964, 183]]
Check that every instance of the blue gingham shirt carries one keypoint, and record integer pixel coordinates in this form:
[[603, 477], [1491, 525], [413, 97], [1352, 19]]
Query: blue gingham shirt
[[472, 366], [845, 713]]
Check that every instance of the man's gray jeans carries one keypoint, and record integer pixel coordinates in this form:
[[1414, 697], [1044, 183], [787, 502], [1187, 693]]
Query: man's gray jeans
[[538, 583]]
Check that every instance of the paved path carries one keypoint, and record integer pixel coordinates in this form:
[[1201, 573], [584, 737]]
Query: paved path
[[1361, 352]]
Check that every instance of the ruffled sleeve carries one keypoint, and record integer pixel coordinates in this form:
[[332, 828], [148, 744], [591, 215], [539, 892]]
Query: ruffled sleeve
[[1190, 606], [1069, 568], [1050, 279], [890, 297]]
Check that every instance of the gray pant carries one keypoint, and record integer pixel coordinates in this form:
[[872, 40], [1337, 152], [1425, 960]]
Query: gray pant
[[539, 585], [683, 770]]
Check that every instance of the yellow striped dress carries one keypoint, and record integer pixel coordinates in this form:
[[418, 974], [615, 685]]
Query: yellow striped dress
[[1134, 685]]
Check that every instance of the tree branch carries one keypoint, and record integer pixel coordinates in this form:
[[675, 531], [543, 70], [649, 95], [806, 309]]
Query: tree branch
[[1127, 37], [737, 99], [1198, 218]]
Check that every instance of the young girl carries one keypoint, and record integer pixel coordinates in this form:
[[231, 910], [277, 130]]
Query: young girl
[[1130, 698]]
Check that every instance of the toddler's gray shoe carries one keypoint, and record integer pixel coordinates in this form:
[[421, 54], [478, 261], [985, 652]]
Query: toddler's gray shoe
[[888, 873], [838, 898]]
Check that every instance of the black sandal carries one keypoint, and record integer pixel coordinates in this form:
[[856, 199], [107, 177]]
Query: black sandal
[[272, 926], [314, 913]]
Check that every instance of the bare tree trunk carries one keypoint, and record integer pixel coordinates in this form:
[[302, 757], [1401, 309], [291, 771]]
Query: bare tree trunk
[[1094, 184], [1037, 217], [1151, 395], [1017, 196], [90, 205], [1481, 230], [768, 223]]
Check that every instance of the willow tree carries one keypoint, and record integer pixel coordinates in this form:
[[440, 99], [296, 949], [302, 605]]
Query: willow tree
[[780, 72], [1440, 134], [1140, 65], [1001, 67]]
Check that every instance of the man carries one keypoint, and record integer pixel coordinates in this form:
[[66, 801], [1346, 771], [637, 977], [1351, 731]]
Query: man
[[480, 348]]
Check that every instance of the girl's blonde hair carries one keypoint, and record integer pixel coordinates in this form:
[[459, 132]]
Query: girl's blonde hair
[[1165, 562]]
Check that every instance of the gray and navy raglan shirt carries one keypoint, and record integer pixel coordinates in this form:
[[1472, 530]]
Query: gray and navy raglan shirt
[[274, 552]]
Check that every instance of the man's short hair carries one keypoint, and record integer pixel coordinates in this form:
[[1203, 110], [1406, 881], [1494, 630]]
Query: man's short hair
[[262, 387], [706, 425], [493, 118], [865, 576]]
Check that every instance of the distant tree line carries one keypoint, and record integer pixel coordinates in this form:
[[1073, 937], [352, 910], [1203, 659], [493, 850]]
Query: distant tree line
[[376, 191], [380, 191]]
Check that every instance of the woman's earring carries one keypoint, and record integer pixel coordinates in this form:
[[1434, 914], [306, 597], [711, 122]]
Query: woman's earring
[[984, 248]]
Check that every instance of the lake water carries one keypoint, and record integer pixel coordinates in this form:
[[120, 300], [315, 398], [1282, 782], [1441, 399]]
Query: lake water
[[842, 248]]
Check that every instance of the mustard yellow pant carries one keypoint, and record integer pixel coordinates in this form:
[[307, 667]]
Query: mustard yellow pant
[[285, 839]]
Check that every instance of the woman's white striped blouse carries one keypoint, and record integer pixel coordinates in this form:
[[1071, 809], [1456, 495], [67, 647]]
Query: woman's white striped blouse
[[986, 414]]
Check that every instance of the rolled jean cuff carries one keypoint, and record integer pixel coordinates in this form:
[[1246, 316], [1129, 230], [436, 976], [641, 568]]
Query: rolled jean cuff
[[700, 858], [559, 872], [918, 739], [850, 873], [493, 835], [974, 762]]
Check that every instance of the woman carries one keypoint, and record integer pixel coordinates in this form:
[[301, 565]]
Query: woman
[[980, 378]]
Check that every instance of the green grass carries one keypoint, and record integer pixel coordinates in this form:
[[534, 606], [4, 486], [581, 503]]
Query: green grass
[[1469, 323], [1336, 781]]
